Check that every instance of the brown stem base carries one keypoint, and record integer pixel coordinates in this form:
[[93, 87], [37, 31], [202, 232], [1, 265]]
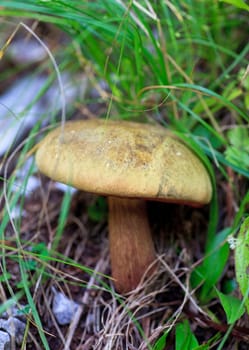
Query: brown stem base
[[131, 246]]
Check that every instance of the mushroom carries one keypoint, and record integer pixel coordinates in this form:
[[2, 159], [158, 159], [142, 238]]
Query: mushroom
[[129, 163]]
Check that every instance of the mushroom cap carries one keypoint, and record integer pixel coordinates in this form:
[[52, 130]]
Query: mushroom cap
[[125, 159]]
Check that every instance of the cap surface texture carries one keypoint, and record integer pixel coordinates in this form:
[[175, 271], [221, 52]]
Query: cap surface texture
[[121, 158]]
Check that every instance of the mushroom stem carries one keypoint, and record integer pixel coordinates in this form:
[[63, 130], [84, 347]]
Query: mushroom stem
[[131, 247]]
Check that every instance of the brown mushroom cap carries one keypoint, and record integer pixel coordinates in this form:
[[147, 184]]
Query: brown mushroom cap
[[128, 159]]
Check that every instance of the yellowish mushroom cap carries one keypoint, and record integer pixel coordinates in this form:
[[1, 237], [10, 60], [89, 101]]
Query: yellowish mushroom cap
[[124, 159]]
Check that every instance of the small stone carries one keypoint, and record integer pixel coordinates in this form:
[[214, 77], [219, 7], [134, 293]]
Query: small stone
[[63, 308], [14, 327], [15, 311], [27, 51], [17, 328], [4, 340]]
